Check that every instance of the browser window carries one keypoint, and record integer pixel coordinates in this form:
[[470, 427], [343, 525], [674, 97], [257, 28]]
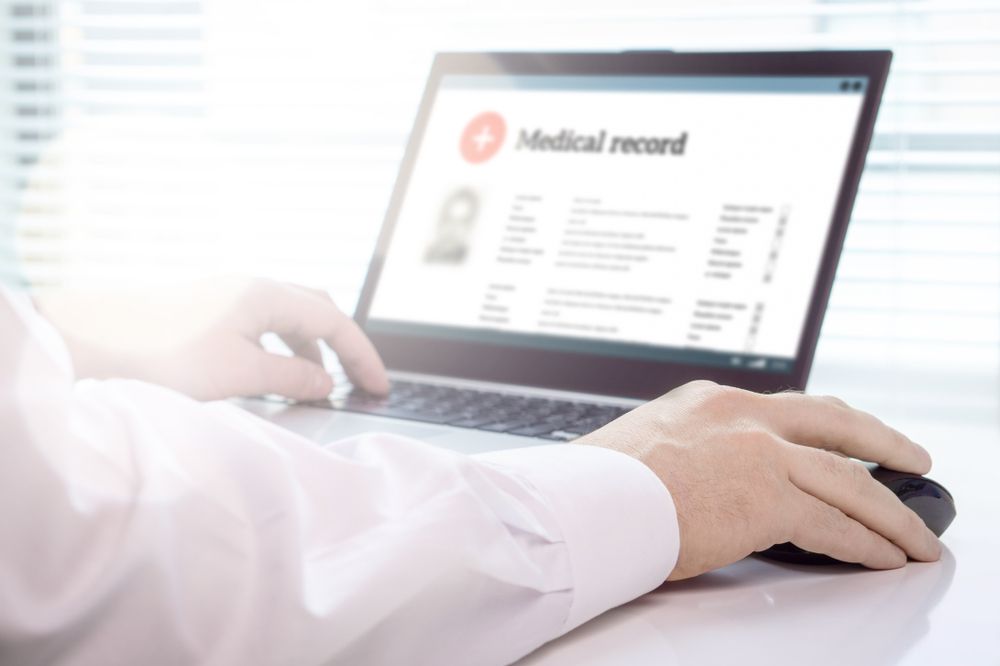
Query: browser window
[[667, 217]]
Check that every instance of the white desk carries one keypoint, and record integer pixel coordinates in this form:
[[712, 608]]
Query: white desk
[[759, 612]]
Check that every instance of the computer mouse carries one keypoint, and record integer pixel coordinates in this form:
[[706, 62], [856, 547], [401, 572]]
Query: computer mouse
[[928, 499]]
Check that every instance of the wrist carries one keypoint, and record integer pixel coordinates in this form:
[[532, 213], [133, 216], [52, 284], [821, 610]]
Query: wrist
[[91, 354], [629, 443]]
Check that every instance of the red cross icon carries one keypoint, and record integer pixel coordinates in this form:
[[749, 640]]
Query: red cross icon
[[483, 137]]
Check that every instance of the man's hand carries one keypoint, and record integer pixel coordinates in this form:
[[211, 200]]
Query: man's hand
[[204, 340], [747, 471]]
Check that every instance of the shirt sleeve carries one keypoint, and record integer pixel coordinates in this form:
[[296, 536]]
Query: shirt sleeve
[[138, 526]]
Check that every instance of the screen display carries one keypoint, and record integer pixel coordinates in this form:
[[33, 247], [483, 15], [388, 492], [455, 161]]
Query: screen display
[[663, 217]]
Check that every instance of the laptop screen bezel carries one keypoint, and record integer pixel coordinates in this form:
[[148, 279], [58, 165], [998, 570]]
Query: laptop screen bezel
[[625, 377]]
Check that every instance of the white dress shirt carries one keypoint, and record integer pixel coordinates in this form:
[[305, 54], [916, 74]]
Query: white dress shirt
[[138, 526]]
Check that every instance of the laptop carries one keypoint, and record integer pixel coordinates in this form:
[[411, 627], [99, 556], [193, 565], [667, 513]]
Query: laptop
[[572, 234]]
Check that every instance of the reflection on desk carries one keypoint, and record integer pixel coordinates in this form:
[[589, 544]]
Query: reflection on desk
[[759, 612], [762, 612]]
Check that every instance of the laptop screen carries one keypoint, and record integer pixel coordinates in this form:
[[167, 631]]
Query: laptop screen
[[670, 218]]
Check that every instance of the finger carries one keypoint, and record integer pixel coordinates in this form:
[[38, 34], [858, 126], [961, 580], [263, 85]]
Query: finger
[[319, 293], [303, 347], [306, 315], [360, 359], [825, 529], [848, 486], [828, 423], [346, 362], [289, 376]]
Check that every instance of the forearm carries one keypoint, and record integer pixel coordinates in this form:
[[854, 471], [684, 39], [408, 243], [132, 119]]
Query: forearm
[[198, 534]]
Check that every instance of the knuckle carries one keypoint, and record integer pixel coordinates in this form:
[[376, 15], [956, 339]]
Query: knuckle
[[827, 463], [701, 384], [758, 442], [854, 539], [255, 290], [826, 520], [699, 387], [788, 395], [722, 398], [261, 366], [857, 472], [759, 454], [895, 438], [819, 521], [901, 441], [835, 401], [914, 523], [847, 531], [854, 532], [862, 544]]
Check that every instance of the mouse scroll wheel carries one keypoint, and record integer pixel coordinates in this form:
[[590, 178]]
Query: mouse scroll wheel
[[914, 487]]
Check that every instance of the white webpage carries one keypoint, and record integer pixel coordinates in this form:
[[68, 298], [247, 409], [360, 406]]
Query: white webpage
[[659, 216]]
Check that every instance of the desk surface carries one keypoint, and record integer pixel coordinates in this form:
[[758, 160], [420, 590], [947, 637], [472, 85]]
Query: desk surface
[[760, 612]]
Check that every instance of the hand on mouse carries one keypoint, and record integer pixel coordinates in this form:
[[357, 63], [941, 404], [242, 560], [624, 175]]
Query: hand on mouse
[[204, 339], [747, 471]]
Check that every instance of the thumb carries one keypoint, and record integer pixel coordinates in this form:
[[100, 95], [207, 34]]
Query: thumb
[[292, 377]]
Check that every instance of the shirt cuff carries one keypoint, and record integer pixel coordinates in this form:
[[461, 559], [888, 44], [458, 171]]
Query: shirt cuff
[[616, 516]]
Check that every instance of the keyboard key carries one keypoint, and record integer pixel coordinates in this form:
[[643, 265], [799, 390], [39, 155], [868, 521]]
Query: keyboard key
[[426, 417], [505, 426], [589, 425], [561, 435], [474, 422], [532, 431]]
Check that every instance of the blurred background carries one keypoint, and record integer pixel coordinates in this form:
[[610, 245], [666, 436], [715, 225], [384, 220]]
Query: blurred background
[[160, 140]]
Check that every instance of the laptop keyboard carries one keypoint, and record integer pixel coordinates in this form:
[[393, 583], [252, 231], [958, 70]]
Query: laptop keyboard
[[560, 420]]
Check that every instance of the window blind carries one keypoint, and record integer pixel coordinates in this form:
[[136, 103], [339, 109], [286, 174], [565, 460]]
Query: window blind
[[155, 140]]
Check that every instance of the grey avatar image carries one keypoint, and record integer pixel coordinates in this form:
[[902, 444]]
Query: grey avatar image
[[456, 220]]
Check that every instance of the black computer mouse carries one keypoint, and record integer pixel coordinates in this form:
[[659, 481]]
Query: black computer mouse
[[928, 499]]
